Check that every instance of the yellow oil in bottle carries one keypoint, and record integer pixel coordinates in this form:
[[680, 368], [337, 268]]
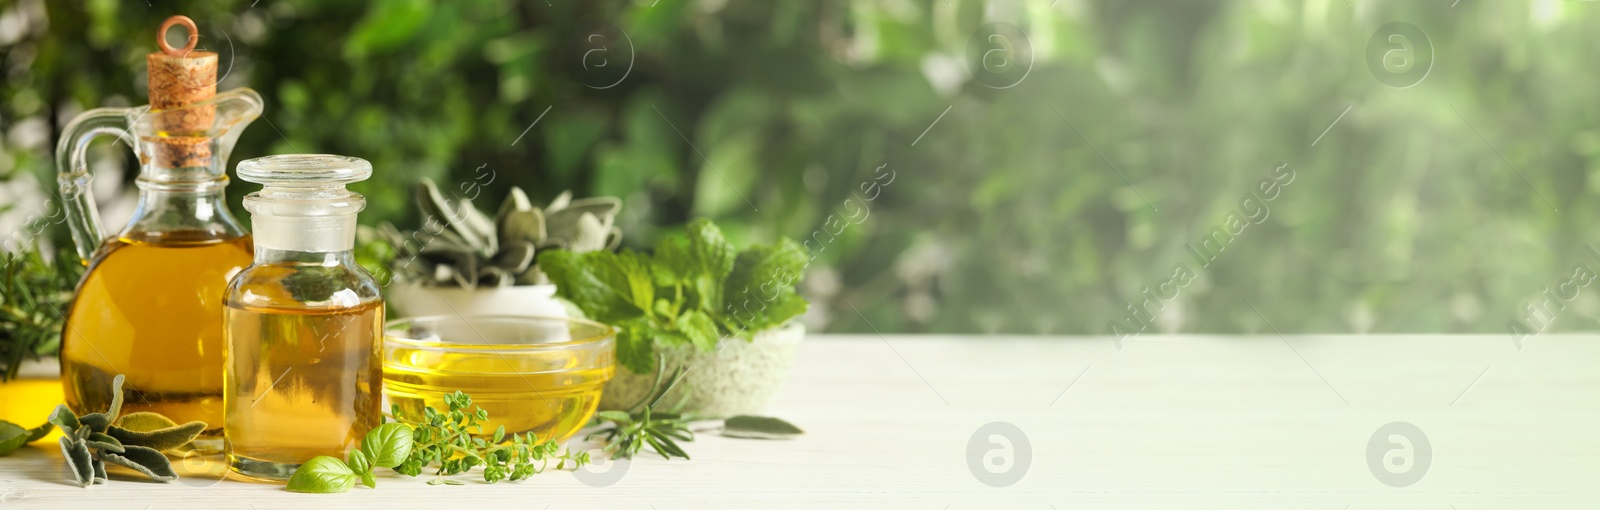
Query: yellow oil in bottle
[[546, 394], [301, 384], [150, 308]]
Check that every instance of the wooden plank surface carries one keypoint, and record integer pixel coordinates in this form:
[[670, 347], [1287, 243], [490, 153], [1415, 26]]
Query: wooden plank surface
[[1162, 422]]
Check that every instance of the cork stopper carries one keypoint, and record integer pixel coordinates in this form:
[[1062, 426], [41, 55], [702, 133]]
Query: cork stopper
[[180, 77]]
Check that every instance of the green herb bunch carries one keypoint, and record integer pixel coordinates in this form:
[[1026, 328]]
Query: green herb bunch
[[452, 440], [642, 425], [34, 293], [135, 441], [692, 290], [387, 445]]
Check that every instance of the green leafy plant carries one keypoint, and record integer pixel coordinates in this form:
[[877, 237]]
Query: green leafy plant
[[459, 246], [33, 294], [693, 290], [642, 425], [385, 446], [453, 440], [134, 441]]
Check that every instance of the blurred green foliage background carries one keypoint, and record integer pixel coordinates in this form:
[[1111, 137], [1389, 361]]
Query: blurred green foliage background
[[1442, 207]]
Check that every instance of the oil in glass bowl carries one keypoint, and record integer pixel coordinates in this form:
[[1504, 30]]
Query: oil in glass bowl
[[532, 375]]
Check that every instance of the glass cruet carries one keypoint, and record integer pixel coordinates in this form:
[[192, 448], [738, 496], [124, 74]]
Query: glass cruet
[[303, 323], [149, 306]]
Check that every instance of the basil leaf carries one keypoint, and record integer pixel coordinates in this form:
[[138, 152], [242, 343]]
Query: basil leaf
[[388, 445], [759, 427], [11, 437], [322, 475], [362, 465], [148, 461]]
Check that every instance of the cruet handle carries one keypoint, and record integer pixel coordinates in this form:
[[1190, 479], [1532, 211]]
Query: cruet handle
[[72, 168]]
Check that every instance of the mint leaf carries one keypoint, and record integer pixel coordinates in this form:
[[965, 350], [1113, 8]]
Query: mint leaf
[[636, 345], [322, 475], [760, 290], [699, 328], [597, 282], [693, 290], [712, 252], [674, 263], [760, 315], [388, 445], [633, 273]]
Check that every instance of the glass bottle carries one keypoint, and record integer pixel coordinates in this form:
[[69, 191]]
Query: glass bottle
[[303, 323], [150, 304]]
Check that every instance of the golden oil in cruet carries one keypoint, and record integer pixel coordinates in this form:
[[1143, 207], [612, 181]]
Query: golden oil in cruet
[[149, 306]]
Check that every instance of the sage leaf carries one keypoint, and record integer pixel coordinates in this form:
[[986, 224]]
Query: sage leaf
[[100, 471], [116, 397], [78, 461], [12, 437], [161, 439], [322, 475], [63, 417], [759, 427], [103, 442], [145, 421], [616, 416], [94, 422], [149, 461], [388, 445]]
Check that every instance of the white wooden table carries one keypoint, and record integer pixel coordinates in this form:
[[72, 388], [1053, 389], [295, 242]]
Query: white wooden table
[[1164, 422]]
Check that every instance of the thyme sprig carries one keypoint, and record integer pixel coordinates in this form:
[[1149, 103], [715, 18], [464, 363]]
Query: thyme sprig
[[453, 440]]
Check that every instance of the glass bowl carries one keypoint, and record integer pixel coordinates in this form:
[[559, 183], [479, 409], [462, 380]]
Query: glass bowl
[[536, 375]]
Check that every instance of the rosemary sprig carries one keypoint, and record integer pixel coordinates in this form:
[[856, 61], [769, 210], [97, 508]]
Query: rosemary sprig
[[643, 425], [34, 293]]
